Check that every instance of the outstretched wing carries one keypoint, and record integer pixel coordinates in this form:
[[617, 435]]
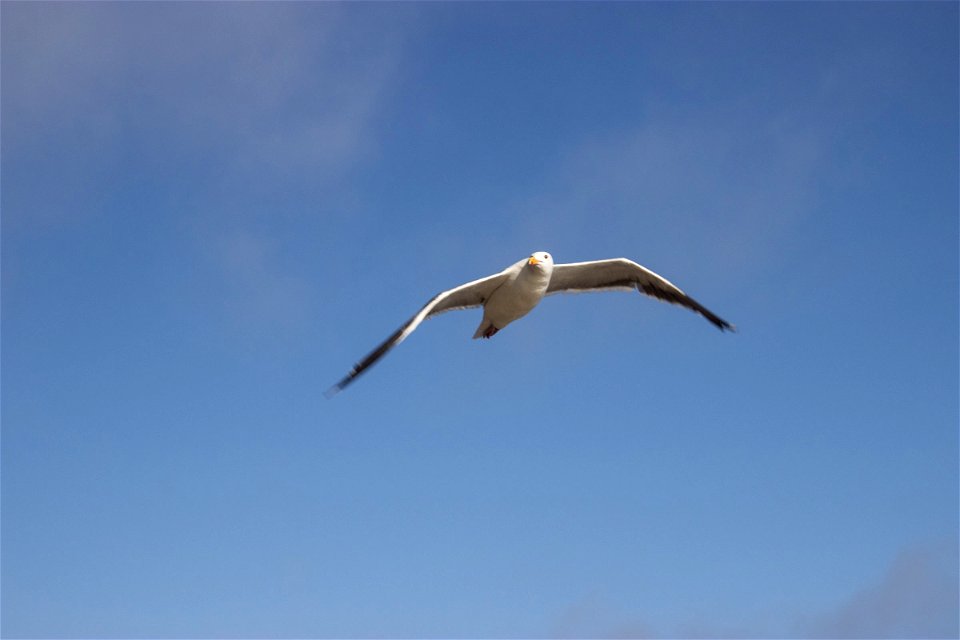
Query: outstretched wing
[[471, 294], [622, 274]]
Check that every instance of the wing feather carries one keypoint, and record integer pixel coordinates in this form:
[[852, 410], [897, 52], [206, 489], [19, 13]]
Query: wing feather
[[468, 295], [622, 274]]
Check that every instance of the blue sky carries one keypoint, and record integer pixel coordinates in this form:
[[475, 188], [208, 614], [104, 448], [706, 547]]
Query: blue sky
[[211, 211]]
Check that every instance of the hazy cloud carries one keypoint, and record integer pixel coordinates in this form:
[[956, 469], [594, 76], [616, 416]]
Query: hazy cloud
[[727, 180], [215, 62], [233, 90], [646, 187], [917, 597], [232, 113]]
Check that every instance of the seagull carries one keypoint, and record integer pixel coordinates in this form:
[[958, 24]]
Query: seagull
[[515, 291]]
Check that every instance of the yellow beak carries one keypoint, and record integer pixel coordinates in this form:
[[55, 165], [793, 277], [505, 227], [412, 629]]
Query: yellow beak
[[533, 260]]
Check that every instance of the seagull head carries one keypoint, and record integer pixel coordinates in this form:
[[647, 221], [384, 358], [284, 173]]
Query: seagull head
[[540, 260]]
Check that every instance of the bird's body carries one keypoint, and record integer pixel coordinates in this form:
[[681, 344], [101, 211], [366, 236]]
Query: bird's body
[[514, 292], [523, 288]]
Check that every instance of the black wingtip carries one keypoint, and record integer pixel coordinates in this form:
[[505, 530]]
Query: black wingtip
[[714, 319], [340, 386], [723, 325], [332, 391]]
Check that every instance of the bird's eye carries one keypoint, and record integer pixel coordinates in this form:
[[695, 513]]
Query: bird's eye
[[546, 256]]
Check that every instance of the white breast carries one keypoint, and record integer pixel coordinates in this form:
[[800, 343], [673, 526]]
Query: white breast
[[517, 297]]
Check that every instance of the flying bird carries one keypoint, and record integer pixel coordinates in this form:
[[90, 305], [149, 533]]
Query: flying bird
[[515, 291]]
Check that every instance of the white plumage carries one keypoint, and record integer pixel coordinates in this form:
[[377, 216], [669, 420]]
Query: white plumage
[[515, 291]]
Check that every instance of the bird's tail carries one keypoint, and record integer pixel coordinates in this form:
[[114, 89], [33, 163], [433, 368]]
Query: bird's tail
[[485, 330]]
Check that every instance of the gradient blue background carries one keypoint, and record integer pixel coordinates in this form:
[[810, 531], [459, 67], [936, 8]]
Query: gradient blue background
[[211, 211]]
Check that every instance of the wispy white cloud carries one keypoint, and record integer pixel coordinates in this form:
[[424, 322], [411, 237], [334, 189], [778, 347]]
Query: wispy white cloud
[[234, 112], [917, 597], [724, 191], [726, 180], [246, 87]]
